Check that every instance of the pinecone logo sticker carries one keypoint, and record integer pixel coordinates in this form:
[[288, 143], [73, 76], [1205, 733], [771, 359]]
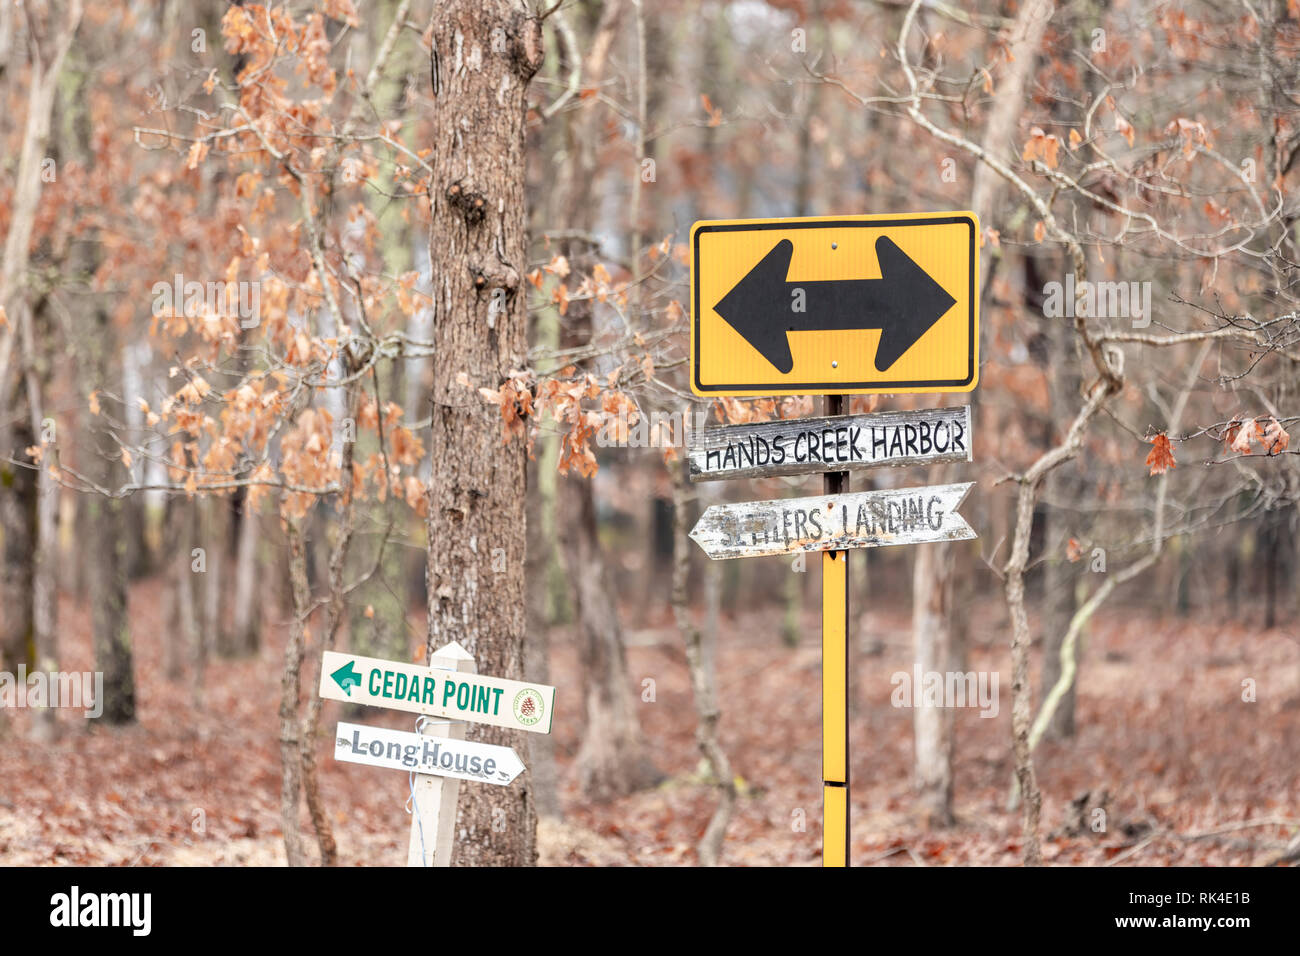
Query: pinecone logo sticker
[[529, 707]]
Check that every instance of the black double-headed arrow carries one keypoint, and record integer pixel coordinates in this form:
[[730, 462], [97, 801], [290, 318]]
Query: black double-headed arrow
[[903, 303]]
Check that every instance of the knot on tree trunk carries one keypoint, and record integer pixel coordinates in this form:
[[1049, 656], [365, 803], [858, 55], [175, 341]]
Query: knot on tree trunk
[[527, 48], [493, 275], [468, 202]]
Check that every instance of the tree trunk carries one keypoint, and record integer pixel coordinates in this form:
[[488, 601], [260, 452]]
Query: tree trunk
[[22, 376], [18, 535], [108, 584], [484, 54], [792, 600], [932, 644], [335, 610], [216, 543], [1059, 575], [807, 152], [613, 759], [1271, 556], [45, 574], [542, 568], [183, 625], [246, 628], [699, 658], [1059, 604], [537, 665], [932, 598], [38, 95], [290, 756], [1025, 39], [1014, 589]]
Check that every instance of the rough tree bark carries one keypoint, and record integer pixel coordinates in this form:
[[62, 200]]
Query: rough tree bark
[[484, 54], [290, 764], [932, 584]]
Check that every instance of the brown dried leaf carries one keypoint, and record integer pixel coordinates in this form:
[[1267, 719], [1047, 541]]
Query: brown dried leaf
[[1161, 457]]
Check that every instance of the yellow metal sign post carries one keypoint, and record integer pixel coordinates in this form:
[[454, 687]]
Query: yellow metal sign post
[[835, 684], [837, 306]]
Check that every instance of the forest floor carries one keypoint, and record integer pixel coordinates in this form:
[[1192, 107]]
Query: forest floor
[[1186, 770]]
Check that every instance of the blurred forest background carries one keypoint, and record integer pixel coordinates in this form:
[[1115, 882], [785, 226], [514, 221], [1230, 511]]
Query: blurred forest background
[[364, 325]]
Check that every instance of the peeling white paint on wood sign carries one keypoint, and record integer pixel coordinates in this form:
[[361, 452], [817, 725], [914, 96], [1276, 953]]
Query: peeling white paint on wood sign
[[868, 519]]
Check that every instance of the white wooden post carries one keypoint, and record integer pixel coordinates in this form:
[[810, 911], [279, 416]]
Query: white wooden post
[[433, 808]]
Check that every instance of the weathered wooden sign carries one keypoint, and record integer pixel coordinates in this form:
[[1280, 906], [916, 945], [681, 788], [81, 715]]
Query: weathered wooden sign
[[842, 304], [843, 442], [437, 692], [868, 519], [419, 753]]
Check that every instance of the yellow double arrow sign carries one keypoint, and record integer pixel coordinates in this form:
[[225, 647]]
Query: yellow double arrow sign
[[840, 305]]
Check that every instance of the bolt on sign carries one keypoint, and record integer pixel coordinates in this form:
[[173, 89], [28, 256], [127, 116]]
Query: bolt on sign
[[437, 692], [419, 753], [846, 305]]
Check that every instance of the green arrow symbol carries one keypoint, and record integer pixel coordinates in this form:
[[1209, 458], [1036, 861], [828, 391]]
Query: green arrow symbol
[[347, 677]]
